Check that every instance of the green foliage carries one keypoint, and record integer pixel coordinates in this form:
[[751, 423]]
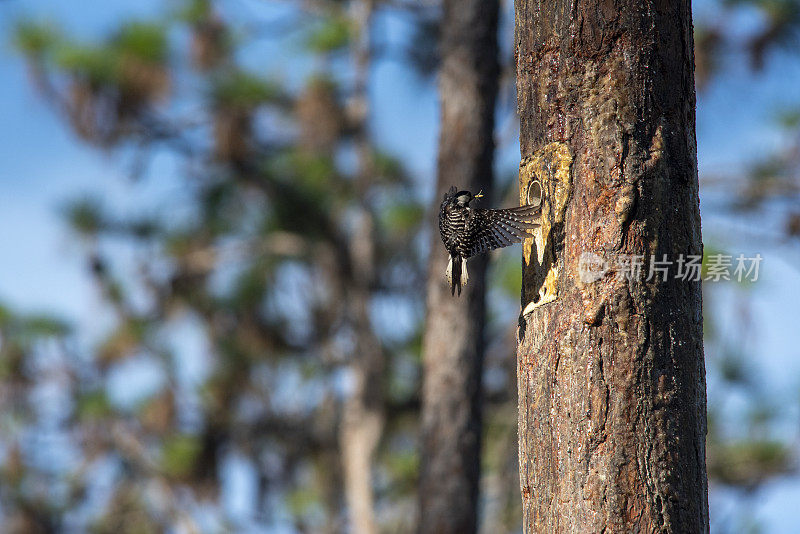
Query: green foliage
[[243, 90], [31, 327], [179, 243], [93, 405], [789, 119], [35, 38], [99, 64], [123, 341], [301, 501], [404, 466], [249, 288], [748, 463], [314, 172], [195, 11], [709, 250], [45, 326], [328, 35], [85, 216], [733, 369], [308, 185], [387, 167], [142, 40], [5, 316], [22, 335], [143, 228], [179, 455], [766, 170], [506, 273], [777, 9], [94, 64], [400, 218]]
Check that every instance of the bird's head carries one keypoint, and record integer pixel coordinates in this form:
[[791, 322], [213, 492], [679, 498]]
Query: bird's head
[[460, 199]]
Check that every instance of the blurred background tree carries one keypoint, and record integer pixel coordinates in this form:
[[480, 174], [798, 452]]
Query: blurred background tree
[[262, 309], [291, 226], [753, 433]]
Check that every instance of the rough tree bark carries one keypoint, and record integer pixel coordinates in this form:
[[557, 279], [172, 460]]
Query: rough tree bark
[[612, 406], [453, 343]]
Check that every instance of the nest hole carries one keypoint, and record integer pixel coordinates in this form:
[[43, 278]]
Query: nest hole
[[534, 193]]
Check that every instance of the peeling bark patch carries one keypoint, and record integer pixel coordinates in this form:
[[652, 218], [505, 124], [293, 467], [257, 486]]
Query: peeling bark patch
[[549, 169]]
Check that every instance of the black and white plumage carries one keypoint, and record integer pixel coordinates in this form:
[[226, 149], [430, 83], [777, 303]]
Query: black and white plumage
[[468, 231]]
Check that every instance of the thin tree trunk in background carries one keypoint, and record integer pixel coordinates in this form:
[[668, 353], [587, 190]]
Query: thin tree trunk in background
[[453, 343], [363, 415], [612, 405]]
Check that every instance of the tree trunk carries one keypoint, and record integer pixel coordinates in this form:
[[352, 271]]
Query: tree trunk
[[612, 405], [363, 416], [453, 342]]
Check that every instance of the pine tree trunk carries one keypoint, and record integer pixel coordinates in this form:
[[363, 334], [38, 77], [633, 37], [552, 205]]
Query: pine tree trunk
[[612, 405], [453, 341], [363, 416]]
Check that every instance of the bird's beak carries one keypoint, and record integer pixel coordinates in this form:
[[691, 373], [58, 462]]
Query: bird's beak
[[479, 195]]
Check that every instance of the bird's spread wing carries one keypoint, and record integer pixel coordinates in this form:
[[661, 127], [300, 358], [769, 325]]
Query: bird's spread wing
[[493, 229]]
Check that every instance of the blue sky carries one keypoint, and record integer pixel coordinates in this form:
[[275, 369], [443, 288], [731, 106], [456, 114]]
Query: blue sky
[[43, 165]]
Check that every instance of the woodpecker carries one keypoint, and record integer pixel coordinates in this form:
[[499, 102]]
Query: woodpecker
[[468, 231]]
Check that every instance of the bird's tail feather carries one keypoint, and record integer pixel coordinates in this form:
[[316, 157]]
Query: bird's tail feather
[[456, 274], [449, 272]]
